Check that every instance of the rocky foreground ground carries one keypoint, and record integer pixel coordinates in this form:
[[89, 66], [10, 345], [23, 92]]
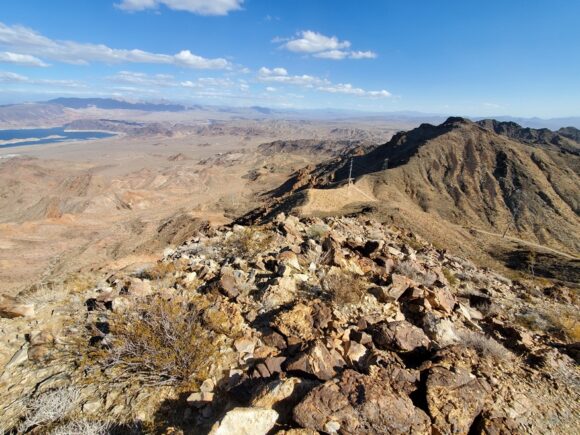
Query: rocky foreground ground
[[300, 326]]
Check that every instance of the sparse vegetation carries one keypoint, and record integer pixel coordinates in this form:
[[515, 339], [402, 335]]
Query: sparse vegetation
[[410, 270], [344, 287], [162, 342], [318, 232], [450, 277], [50, 407], [483, 345], [82, 427], [248, 242]]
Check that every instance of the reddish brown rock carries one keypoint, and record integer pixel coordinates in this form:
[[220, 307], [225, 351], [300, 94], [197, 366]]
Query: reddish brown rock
[[317, 361], [358, 403], [455, 397], [399, 336]]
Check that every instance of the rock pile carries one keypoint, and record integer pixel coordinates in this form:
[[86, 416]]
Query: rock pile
[[346, 326]]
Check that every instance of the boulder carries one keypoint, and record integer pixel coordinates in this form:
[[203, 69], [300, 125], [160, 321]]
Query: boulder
[[441, 299], [280, 292], [283, 395], [455, 397], [297, 322], [400, 336], [358, 403], [246, 421], [317, 361]]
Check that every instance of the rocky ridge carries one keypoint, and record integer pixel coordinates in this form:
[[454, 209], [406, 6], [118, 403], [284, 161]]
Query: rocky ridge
[[337, 325]]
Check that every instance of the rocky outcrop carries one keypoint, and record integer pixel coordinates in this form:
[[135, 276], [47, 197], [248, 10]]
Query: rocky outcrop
[[316, 326]]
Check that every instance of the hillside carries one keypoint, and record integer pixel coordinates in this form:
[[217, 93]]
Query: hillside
[[440, 179], [300, 326]]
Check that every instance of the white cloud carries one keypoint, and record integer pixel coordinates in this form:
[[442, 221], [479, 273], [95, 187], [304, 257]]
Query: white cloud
[[280, 75], [362, 55], [314, 42], [321, 46], [187, 58], [270, 89], [30, 42], [332, 54], [9, 77], [347, 88], [13, 78], [21, 59], [137, 78], [200, 7]]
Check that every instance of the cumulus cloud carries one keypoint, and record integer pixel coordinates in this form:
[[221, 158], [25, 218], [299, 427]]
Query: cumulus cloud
[[200, 7], [321, 46], [280, 75], [30, 42], [347, 88], [314, 42], [21, 59]]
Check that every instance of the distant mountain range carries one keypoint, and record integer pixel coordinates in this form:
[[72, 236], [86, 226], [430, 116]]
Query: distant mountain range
[[44, 110]]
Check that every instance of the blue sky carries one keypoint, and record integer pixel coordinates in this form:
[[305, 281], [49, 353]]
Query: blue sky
[[475, 57]]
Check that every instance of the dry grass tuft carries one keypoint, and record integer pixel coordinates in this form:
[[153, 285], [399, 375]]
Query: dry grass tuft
[[50, 407], [410, 270], [483, 345], [344, 287], [450, 277], [161, 342], [82, 427], [248, 242]]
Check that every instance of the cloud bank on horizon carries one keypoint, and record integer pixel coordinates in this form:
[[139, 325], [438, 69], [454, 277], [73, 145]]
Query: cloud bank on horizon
[[294, 54]]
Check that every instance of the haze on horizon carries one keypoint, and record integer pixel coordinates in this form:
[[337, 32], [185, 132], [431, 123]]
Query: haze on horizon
[[498, 58]]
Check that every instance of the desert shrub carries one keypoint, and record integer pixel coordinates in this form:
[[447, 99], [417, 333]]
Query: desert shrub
[[410, 270], [162, 342], [248, 242], [82, 427], [50, 407], [317, 231], [532, 320], [344, 287], [450, 277], [483, 345], [566, 323], [161, 270]]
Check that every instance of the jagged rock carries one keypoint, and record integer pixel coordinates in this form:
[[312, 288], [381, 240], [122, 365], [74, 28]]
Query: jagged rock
[[358, 403], [280, 292], [297, 322], [441, 299], [399, 336], [488, 424], [355, 352], [200, 398], [283, 395], [455, 397], [274, 339], [317, 361], [440, 330], [11, 308], [246, 421], [287, 263]]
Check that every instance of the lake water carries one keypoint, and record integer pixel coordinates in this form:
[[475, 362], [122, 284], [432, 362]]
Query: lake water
[[39, 136]]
